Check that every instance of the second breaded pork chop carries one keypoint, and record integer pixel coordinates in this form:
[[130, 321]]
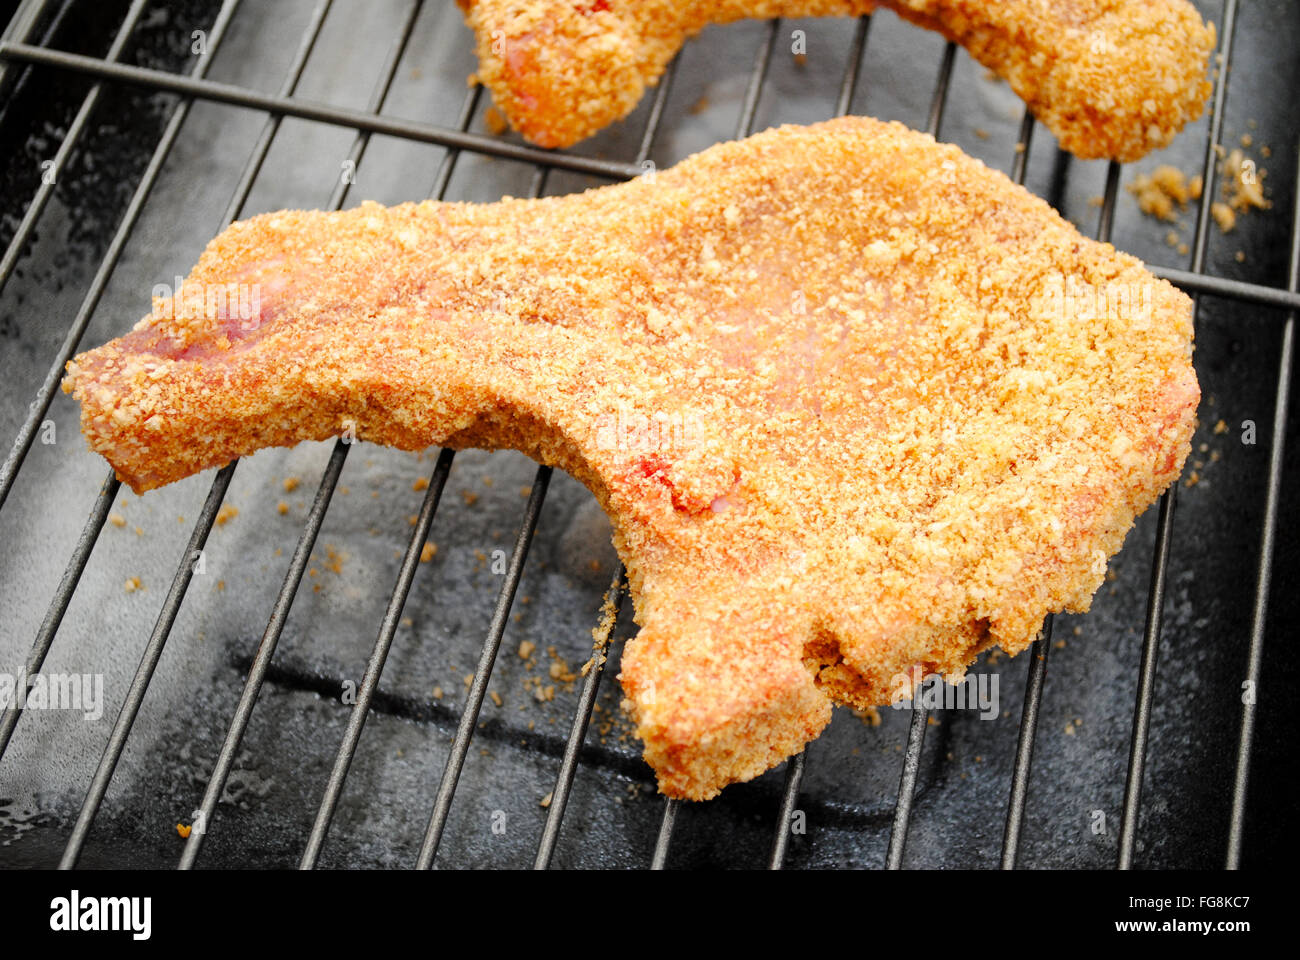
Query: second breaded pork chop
[[856, 404], [1110, 78]]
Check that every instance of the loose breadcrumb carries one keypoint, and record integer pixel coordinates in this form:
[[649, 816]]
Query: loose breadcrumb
[[334, 560], [133, 584], [1162, 192], [868, 715], [117, 520], [495, 121], [1243, 183], [428, 552], [1223, 216]]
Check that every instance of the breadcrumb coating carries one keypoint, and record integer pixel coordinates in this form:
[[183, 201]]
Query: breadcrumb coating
[[1110, 78], [856, 404]]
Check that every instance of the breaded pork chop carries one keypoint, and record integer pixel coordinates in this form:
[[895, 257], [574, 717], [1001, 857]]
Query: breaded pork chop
[[855, 404], [1110, 78]]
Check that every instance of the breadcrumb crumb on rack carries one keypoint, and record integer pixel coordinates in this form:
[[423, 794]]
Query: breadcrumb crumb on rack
[[1223, 216], [1165, 191], [1242, 182], [495, 121]]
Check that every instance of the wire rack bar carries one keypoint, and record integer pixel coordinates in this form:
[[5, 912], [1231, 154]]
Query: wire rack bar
[[853, 72], [315, 517], [478, 687], [237, 96], [794, 768], [577, 734], [906, 788], [1224, 287], [1025, 745], [1259, 614], [754, 89], [659, 858], [1165, 522], [378, 656]]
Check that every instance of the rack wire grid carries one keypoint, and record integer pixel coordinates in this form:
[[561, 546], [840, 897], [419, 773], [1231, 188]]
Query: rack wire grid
[[22, 54]]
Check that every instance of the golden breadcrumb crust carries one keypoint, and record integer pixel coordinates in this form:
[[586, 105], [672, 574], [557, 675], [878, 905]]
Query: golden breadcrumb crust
[[1110, 78], [855, 403]]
